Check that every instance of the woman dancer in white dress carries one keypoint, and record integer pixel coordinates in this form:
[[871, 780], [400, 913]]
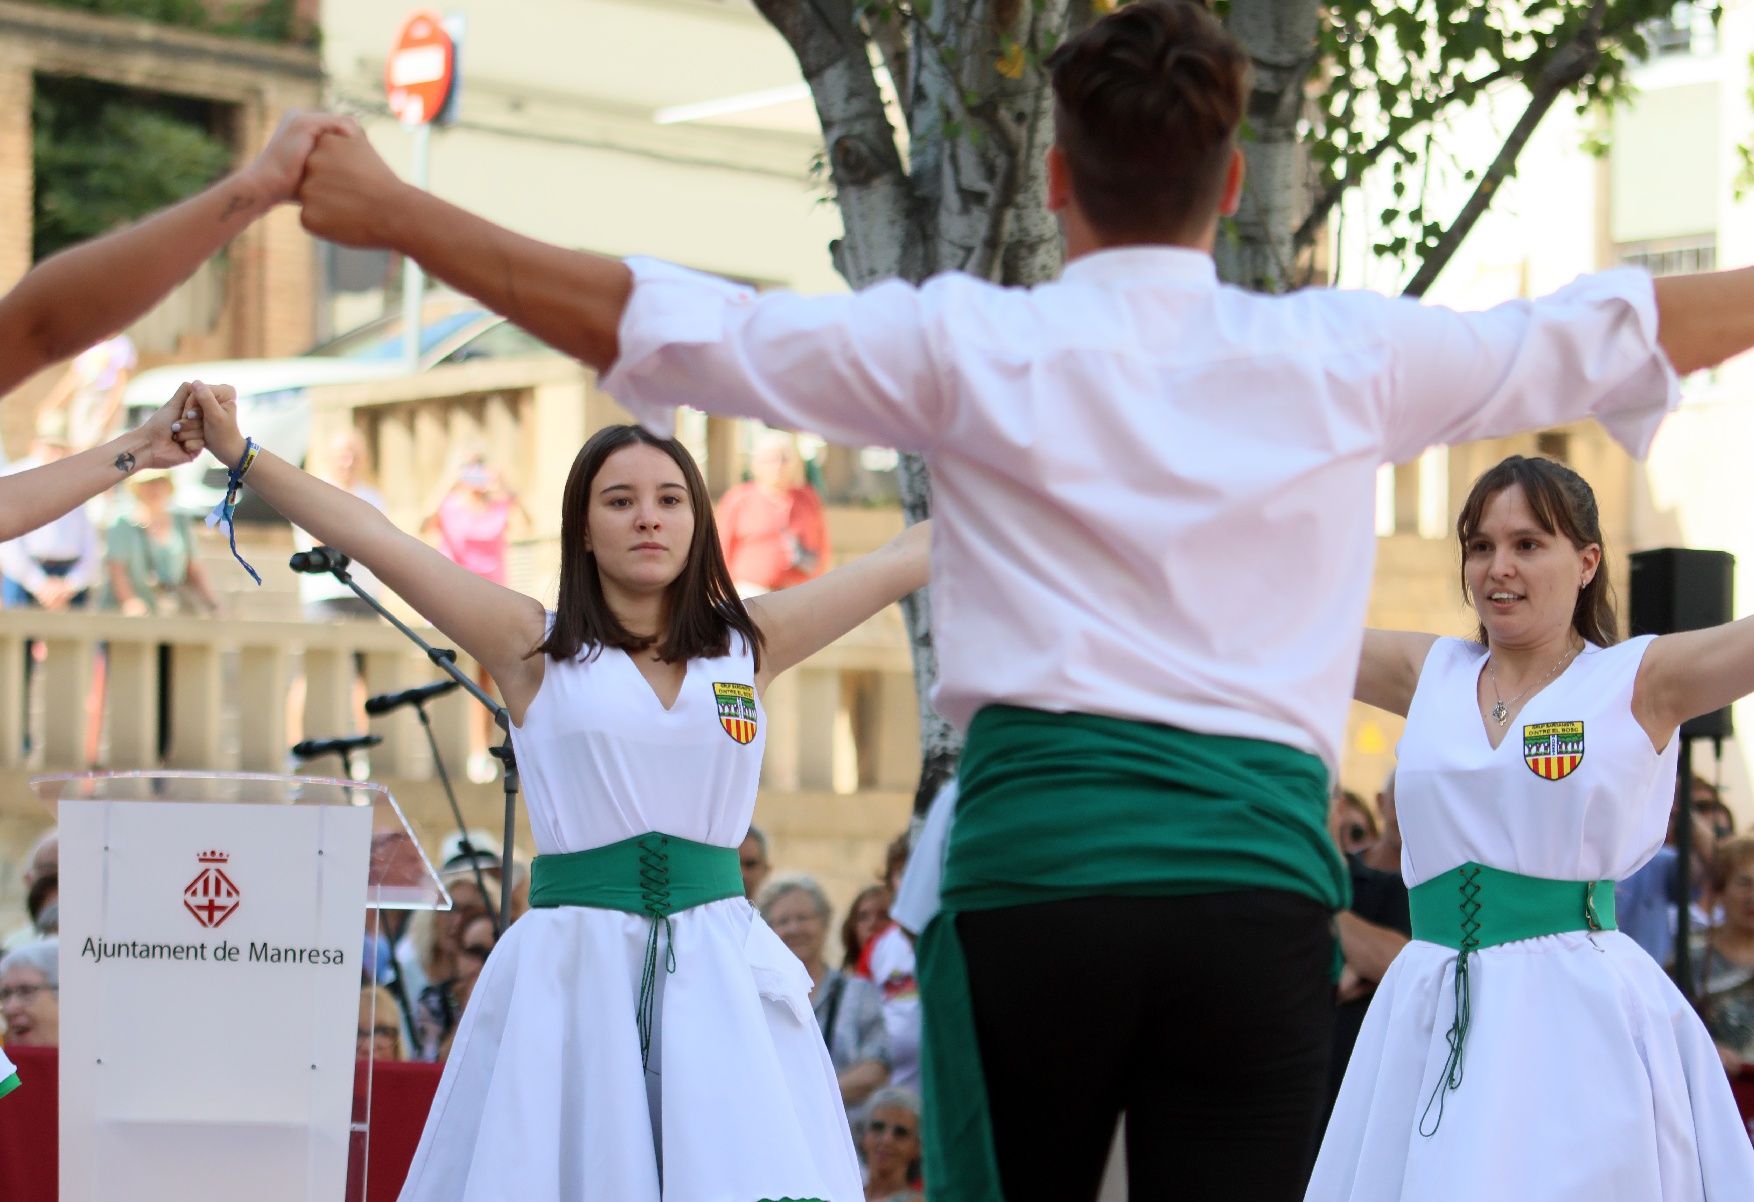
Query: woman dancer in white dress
[[640, 1034], [1520, 1046]]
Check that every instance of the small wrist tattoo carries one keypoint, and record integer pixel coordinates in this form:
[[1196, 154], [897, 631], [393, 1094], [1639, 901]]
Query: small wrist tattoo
[[125, 462], [237, 205]]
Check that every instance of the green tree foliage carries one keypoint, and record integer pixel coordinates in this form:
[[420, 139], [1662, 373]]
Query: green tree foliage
[[262, 21], [105, 156]]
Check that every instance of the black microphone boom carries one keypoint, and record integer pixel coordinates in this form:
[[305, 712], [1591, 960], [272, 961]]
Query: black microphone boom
[[386, 702], [311, 748], [318, 560]]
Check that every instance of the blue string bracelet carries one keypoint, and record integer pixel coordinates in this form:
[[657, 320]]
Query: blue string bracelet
[[226, 510]]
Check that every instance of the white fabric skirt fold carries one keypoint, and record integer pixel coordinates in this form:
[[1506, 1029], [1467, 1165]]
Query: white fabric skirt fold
[[544, 1098], [1586, 1076]]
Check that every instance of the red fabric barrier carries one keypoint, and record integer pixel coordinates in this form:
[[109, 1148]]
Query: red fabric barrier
[[401, 1096], [29, 1118]]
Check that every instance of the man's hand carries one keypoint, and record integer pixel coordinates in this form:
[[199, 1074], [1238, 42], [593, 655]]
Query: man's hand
[[349, 193], [276, 172]]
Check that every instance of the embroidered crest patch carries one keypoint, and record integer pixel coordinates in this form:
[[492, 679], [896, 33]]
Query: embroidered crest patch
[[1553, 750], [736, 709]]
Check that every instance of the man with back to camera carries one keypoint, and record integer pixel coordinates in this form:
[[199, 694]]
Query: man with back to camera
[[1152, 558]]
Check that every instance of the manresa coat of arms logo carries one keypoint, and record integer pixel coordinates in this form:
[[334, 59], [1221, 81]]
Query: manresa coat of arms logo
[[736, 709], [211, 897], [1553, 750]]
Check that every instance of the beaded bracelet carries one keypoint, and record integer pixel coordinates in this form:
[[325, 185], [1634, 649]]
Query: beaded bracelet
[[226, 510]]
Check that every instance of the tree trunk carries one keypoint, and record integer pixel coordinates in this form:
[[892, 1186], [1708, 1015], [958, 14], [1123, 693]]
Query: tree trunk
[[1280, 36]]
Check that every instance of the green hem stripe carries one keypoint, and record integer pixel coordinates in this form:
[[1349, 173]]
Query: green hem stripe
[[7, 1086]]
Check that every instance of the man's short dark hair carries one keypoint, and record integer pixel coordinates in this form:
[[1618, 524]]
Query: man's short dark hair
[[1148, 102]]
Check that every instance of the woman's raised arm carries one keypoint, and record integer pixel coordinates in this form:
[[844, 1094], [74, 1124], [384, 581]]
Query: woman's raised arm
[[1388, 668], [493, 624], [798, 622]]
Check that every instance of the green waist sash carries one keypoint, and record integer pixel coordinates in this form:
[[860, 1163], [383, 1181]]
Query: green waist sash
[[656, 875], [1055, 806], [1474, 907]]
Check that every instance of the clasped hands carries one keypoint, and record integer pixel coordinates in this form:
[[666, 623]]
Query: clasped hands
[[345, 191]]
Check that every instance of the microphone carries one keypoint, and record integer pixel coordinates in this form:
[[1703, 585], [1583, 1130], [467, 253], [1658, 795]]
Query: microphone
[[315, 747], [383, 704], [317, 560]]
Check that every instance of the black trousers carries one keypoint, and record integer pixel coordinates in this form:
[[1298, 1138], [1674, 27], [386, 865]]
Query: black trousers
[[1206, 1019]]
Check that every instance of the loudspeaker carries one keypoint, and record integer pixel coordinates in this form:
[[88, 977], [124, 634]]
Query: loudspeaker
[[1678, 588]]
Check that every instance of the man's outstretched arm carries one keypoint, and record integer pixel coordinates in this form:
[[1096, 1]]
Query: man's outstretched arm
[[1706, 318], [570, 299], [854, 368], [89, 292]]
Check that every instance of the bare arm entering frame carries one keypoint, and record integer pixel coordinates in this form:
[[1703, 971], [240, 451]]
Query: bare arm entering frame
[[42, 494], [90, 291]]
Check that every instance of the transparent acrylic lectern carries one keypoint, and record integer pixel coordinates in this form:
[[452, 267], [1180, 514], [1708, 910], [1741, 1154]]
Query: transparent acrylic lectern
[[215, 930]]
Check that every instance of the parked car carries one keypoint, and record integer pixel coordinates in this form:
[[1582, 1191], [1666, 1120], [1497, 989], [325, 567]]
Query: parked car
[[273, 405]]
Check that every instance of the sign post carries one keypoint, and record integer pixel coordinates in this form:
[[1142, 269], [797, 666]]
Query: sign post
[[420, 80]]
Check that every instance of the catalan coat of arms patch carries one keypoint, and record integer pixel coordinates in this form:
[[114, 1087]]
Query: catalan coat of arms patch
[[1553, 750], [736, 709]]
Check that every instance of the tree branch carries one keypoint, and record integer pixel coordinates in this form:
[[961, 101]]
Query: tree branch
[[1332, 194], [1562, 72], [882, 237]]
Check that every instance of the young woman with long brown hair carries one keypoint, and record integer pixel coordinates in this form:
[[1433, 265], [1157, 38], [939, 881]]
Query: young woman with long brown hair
[[640, 974], [1520, 1046]]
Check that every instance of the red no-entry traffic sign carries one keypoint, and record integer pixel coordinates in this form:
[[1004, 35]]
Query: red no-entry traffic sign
[[421, 71]]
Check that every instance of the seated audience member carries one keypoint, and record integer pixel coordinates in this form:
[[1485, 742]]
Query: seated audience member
[[30, 985], [889, 963], [380, 1025], [1372, 932], [40, 880], [442, 1003], [1725, 962], [890, 1146], [752, 856], [849, 1009], [1644, 902], [1351, 822], [55, 565], [868, 915]]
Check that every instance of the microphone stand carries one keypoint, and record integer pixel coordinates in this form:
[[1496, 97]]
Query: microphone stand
[[446, 660]]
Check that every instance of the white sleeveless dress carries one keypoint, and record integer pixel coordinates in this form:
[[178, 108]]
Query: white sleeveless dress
[[1586, 1076], [543, 1098]]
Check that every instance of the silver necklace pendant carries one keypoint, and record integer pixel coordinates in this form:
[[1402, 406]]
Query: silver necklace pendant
[[1500, 713]]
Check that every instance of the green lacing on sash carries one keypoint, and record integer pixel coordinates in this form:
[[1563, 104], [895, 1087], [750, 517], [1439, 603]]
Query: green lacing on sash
[[656, 875], [1474, 906], [654, 885], [8, 1085]]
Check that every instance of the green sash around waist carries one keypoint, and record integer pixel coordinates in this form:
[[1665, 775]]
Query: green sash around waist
[[1054, 806], [656, 875], [1473, 907]]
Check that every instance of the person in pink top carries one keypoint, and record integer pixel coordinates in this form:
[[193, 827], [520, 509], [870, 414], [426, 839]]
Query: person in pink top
[[473, 523], [772, 526]]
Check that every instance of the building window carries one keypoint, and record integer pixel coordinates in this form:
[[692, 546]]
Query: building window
[[1686, 30], [1671, 256]]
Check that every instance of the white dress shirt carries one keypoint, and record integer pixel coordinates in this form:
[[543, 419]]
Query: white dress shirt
[[1154, 493]]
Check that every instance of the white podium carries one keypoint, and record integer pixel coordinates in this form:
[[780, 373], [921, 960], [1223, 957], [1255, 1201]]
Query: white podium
[[212, 935]]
